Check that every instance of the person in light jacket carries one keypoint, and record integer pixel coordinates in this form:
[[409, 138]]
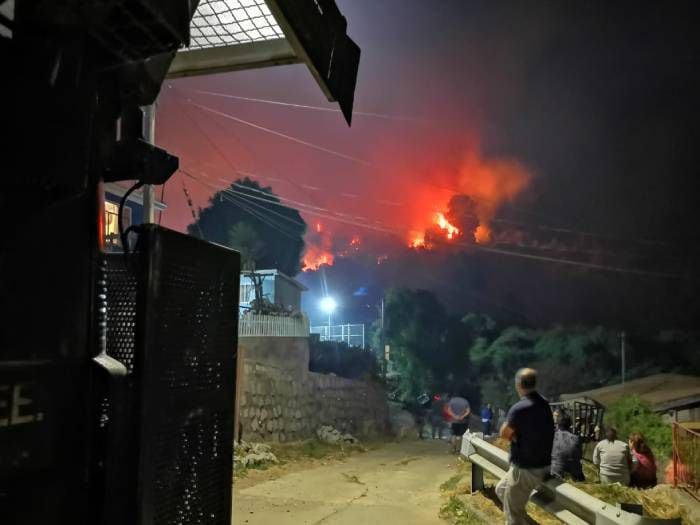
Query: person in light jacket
[[614, 459]]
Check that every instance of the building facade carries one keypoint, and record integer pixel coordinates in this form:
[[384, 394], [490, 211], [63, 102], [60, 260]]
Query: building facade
[[277, 288], [133, 212]]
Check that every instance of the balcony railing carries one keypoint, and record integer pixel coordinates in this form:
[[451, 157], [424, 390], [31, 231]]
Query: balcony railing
[[255, 325]]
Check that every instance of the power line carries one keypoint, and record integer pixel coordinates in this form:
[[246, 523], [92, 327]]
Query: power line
[[219, 151], [315, 108], [261, 217], [342, 219], [453, 190], [267, 210], [591, 266], [321, 148], [247, 206], [282, 135]]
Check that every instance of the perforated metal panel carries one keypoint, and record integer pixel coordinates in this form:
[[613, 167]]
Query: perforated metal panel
[[121, 311], [187, 322], [172, 319]]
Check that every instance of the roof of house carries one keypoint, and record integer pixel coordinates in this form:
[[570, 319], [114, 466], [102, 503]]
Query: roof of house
[[284, 276], [662, 391]]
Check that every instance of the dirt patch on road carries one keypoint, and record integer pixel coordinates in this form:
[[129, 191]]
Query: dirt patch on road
[[296, 457]]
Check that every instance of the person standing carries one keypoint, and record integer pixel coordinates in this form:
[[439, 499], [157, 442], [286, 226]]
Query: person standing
[[437, 422], [529, 429], [643, 463], [614, 459], [566, 451], [486, 418], [458, 411]]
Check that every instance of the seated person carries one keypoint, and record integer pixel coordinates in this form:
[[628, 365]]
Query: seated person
[[614, 459], [566, 451], [643, 463]]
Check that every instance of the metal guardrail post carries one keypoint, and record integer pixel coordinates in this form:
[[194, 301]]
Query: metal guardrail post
[[477, 478]]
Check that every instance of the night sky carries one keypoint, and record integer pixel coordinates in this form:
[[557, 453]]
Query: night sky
[[596, 100]]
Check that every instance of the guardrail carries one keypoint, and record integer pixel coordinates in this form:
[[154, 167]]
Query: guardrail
[[564, 501], [255, 325]]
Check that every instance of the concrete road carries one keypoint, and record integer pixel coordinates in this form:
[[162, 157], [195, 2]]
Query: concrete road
[[396, 484]]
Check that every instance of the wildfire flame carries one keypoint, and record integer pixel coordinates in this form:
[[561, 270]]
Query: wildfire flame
[[484, 185], [442, 222], [318, 249], [482, 234], [315, 257], [418, 241]]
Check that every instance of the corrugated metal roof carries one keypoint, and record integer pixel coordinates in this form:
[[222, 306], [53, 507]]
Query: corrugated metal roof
[[661, 390]]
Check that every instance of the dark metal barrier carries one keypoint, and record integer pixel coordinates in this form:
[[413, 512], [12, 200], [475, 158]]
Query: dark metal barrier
[[172, 315]]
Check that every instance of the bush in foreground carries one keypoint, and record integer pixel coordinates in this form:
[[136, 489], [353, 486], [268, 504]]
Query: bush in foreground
[[630, 414]]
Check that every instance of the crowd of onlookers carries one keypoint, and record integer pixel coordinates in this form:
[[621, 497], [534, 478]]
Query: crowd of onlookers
[[630, 463], [542, 445]]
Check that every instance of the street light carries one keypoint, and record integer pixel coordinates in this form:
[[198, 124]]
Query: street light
[[328, 305]]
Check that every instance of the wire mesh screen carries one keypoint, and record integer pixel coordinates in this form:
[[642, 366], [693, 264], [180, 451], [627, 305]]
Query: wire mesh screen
[[187, 322], [121, 311], [229, 22]]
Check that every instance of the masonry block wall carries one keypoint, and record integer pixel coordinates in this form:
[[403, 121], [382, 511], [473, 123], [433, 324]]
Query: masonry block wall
[[280, 400]]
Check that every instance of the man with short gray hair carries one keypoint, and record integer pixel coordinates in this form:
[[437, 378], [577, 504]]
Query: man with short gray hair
[[529, 429]]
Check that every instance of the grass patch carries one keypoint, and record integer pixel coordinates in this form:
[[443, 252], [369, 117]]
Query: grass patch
[[657, 502], [459, 513], [288, 453], [313, 449], [242, 471]]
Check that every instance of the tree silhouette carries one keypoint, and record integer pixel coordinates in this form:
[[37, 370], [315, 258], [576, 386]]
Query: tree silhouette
[[250, 218]]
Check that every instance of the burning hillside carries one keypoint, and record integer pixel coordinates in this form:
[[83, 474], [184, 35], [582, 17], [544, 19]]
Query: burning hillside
[[319, 249], [431, 215], [484, 186]]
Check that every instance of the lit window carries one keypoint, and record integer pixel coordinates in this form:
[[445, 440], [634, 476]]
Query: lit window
[[112, 224]]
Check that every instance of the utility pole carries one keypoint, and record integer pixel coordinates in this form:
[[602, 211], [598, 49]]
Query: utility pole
[[622, 355], [149, 134], [381, 337]]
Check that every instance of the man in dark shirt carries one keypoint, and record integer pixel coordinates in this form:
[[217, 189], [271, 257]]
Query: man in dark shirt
[[566, 451], [529, 429]]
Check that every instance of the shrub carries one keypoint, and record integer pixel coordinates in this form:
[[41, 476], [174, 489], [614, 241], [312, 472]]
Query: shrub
[[631, 414], [342, 360]]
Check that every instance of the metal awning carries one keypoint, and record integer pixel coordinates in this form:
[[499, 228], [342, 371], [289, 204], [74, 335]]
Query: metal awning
[[230, 35]]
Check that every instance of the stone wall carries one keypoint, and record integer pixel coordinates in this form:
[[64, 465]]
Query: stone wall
[[280, 400]]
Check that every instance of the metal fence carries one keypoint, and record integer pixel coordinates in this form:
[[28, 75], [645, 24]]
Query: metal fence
[[352, 334], [256, 325], [686, 459]]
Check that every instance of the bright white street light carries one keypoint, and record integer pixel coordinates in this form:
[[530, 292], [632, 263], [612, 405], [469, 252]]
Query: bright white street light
[[328, 304]]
